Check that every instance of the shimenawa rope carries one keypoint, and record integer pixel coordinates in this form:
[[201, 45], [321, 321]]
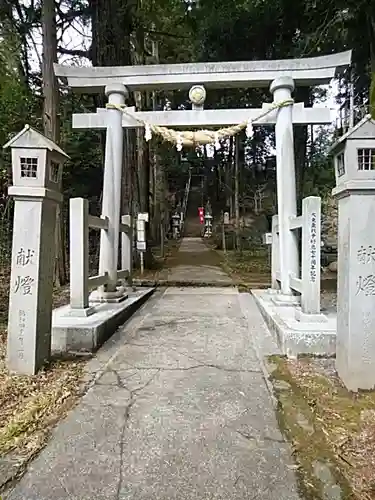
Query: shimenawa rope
[[199, 137]]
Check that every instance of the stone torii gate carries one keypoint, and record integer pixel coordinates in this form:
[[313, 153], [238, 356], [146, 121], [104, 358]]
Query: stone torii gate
[[280, 76]]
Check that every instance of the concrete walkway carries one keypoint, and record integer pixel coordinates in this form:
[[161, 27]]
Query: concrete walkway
[[180, 409], [196, 263]]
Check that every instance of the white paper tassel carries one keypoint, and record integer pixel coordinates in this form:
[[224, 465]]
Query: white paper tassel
[[249, 129], [217, 142], [148, 132], [179, 143]]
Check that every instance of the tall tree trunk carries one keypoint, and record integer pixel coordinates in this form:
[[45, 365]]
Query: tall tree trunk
[[371, 35], [302, 94], [112, 25], [156, 173], [143, 171], [229, 175], [51, 120], [236, 192]]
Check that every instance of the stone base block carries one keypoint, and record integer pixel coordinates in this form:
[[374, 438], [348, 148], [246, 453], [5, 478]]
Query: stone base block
[[80, 313], [87, 333], [309, 318], [286, 300], [99, 297], [296, 337]]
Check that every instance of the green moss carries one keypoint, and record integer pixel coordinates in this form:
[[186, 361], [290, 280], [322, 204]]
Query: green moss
[[301, 418]]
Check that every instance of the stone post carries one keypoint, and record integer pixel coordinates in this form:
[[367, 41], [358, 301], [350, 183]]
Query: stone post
[[208, 225], [354, 161], [37, 172], [79, 257], [311, 229], [286, 183], [176, 225], [275, 257], [31, 282], [111, 205], [355, 344], [127, 247]]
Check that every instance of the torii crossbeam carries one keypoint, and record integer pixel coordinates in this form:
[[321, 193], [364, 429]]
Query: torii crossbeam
[[202, 118], [243, 74]]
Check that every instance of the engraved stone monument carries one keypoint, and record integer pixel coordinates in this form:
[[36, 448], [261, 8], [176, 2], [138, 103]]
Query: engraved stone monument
[[37, 171], [354, 157]]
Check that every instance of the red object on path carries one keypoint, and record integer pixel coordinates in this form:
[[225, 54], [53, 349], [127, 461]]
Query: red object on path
[[201, 215]]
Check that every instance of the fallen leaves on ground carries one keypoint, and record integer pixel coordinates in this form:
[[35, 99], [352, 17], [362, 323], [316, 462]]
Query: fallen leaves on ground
[[31, 405]]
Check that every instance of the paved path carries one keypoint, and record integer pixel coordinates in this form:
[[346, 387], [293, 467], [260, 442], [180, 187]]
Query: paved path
[[196, 263], [180, 409]]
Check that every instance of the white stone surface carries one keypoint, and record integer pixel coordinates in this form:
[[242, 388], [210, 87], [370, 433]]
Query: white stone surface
[[296, 337], [281, 299], [286, 186], [111, 204], [72, 334], [275, 255], [127, 247], [311, 238], [28, 138], [308, 285], [359, 137], [267, 238], [355, 191], [79, 255], [37, 168], [309, 317], [31, 284], [355, 359], [142, 218], [197, 96], [202, 118], [307, 71]]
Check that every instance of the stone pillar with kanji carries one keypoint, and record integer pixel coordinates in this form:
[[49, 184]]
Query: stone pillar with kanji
[[354, 159], [36, 190]]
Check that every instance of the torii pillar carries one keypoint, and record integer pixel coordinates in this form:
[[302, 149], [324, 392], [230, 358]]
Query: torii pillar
[[281, 89], [111, 204]]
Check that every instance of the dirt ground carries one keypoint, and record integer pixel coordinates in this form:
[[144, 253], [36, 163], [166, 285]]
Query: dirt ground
[[160, 263], [332, 431], [249, 269]]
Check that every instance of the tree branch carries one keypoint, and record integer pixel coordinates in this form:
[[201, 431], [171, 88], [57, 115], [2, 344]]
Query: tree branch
[[75, 52], [164, 33], [72, 14]]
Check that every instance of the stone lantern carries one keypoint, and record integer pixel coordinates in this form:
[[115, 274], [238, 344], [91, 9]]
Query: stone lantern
[[176, 225], [207, 225], [354, 159], [37, 174]]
